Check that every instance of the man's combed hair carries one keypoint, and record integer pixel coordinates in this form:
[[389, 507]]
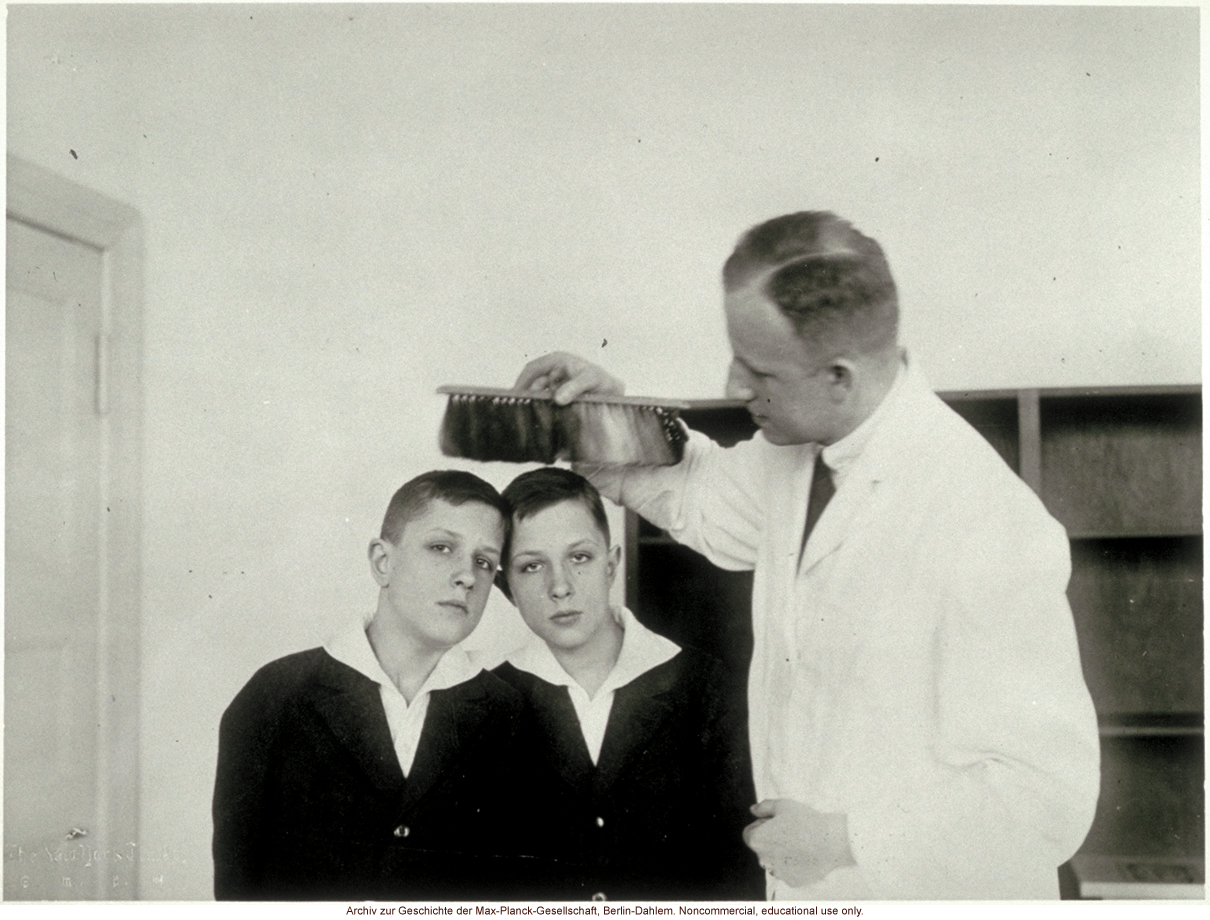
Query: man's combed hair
[[829, 279], [453, 486]]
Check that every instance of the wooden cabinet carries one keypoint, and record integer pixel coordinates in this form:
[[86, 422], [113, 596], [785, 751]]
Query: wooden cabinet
[[1121, 469]]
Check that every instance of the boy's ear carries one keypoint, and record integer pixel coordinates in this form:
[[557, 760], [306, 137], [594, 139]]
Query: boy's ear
[[379, 553], [502, 584], [614, 559]]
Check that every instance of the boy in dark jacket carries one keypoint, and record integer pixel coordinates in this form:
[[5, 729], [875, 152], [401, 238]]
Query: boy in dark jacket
[[381, 766], [642, 787]]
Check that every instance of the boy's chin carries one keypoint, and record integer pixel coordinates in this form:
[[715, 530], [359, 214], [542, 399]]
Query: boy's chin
[[562, 640], [570, 640], [451, 638], [566, 643]]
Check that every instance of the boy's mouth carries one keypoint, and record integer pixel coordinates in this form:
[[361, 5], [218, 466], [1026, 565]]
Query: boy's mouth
[[566, 616], [460, 606]]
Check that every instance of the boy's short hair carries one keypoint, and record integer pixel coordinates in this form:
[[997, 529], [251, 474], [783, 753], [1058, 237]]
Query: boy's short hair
[[538, 490], [453, 486]]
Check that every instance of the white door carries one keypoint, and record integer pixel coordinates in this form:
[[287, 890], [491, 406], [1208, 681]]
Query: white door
[[53, 574]]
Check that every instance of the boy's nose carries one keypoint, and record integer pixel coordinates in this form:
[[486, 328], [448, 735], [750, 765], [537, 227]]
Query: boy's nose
[[464, 574], [560, 585]]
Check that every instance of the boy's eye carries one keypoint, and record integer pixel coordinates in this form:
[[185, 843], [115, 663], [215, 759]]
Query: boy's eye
[[529, 567], [439, 547], [486, 564], [581, 557]]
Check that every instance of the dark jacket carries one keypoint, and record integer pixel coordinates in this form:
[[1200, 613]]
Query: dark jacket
[[310, 801], [661, 815]]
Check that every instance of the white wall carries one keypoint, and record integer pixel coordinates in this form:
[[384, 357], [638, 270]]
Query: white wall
[[347, 206]]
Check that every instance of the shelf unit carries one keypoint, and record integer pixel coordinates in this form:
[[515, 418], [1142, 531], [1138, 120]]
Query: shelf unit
[[1121, 469]]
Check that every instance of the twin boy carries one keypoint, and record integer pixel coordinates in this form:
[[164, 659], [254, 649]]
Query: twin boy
[[600, 761]]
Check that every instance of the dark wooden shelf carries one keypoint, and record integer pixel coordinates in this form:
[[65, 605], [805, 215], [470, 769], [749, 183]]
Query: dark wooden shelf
[[1129, 463], [1147, 731], [1163, 391], [657, 540], [1139, 724], [1136, 535], [1152, 797], [1137, 605]]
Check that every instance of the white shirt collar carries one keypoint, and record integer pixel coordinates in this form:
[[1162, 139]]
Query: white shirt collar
[[405, 720], [351, 646], [843, 453], [641, 651]]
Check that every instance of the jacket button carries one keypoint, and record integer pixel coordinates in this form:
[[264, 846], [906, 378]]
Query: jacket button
[[402, 831], [600, 822], [600, 896]]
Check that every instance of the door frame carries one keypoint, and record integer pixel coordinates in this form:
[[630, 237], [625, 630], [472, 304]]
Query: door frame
[[48, 201]]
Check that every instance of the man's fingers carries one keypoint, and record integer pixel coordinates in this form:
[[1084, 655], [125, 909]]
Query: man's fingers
[[766, 808], [539, 383], [542, 373], [570, 376], [589, 379], [751, 829], [573, 388]]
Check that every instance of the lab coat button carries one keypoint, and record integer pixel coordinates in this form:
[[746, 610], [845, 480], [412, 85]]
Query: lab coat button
[[600, 896], [402, 831], [600, 822]]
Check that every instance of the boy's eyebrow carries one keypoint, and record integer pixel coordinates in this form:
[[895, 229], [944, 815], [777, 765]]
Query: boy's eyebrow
[[586, 541], [453, 534]]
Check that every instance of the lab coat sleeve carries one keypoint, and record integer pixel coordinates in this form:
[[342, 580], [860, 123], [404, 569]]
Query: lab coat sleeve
[[712, 501], [1012, 789]]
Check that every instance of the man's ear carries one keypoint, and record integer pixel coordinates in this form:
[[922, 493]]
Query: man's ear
[[840, 378], [379, 553]]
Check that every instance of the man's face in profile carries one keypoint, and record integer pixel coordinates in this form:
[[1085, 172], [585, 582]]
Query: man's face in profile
[[786, 387]]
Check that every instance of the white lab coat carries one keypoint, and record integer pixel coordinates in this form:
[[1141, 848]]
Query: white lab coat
[[919, 671]]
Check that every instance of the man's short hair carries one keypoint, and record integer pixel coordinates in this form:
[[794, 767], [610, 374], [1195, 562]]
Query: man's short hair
[[453, 486], [539, 489], [830, 280]]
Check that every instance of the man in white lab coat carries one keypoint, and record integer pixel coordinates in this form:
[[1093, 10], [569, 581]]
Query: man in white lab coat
[[919, 722]]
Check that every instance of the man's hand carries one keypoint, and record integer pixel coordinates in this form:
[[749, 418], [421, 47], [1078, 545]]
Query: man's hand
[[796, 843], [569, 376]]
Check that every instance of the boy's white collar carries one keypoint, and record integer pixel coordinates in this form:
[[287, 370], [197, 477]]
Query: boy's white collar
[[641, 651], [351, 646]]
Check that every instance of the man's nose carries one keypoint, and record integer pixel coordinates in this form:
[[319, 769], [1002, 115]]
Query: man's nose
[[739, 385]]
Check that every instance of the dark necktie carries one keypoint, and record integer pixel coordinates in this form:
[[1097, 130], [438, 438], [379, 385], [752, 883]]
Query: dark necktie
[[822, 491]]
